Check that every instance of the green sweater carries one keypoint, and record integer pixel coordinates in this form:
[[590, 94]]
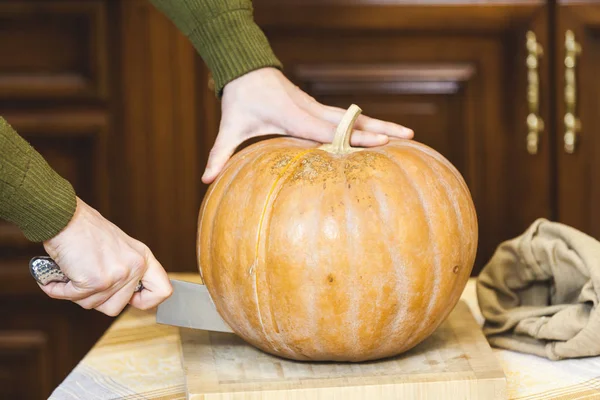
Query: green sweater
[[38, 200]]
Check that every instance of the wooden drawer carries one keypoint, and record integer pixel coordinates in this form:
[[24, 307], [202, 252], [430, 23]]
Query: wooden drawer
[[53, 50]]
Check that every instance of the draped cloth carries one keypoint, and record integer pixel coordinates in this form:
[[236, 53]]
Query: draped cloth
[[539, 293]]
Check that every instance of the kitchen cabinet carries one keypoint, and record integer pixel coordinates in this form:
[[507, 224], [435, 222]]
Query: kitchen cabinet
[[54, 91], [577, 117], [119, 103], [109, 93]]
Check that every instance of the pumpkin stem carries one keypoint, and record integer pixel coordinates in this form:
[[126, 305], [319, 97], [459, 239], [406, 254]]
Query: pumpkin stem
[[343, 132]]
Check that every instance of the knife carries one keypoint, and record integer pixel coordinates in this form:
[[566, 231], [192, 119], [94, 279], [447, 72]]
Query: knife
[[190, 305]]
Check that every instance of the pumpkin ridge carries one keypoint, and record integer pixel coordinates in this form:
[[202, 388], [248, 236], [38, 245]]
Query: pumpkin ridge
[[209, 194], [454, 171], [394, 255], [273, 186], [436, 270], [270, 200], [352, 316], [313, 322], [450, 193], [248, 159], [434, 168], [297, 339], [431, 152]]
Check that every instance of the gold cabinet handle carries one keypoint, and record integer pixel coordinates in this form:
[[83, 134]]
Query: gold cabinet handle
[[572, 123], [535, 124]]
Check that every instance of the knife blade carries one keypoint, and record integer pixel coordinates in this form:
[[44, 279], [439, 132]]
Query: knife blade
[[190, 306]]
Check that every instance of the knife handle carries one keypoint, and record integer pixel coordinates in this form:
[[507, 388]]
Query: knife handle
[[45, 270]]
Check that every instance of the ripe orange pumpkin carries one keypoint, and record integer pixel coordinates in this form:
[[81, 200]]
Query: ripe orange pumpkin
[[336, 253]]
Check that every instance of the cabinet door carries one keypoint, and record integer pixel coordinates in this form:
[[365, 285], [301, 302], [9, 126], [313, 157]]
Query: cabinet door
[[54, 85], [457, 75], [578, 116], [23, 359]]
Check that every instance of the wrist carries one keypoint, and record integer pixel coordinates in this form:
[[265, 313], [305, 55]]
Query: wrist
[[78, 215], [250, 79], [232, 45]]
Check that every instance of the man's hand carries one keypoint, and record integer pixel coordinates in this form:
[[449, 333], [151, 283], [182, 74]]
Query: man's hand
[[104, 265], [265, 102]]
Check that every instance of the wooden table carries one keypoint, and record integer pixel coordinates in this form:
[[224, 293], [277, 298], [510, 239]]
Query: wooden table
[[139, 359]]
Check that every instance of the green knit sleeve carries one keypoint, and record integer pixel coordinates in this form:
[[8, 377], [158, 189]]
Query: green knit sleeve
[[224, 34], [32, 195]]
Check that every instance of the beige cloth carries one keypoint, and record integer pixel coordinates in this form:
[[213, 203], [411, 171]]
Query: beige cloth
[[539, 293]]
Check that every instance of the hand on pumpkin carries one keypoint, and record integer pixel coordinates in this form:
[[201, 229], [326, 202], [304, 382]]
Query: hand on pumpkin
[[104, 266], [264, 102]]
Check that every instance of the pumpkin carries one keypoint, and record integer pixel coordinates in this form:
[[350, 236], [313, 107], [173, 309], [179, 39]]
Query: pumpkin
[[334, 253]]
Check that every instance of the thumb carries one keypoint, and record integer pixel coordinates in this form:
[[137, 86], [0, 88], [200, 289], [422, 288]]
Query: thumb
[[218, 156], [157, 286]]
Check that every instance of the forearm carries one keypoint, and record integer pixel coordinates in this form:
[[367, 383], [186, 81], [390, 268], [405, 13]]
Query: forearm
[[32, 195], [224, 34]]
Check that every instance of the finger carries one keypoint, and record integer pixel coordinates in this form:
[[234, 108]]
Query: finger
[[157, 287], [128, 275], [219, 155], [323, 132], [305, 125], [102, 292], [94, 301], [367, 139], [65, 291], [88, 296], [99, 298], [367, 123], [363, 122], [118, 301]]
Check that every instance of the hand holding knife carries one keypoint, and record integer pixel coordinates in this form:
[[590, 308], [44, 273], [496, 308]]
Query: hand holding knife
[[190, 306], [45, 270]]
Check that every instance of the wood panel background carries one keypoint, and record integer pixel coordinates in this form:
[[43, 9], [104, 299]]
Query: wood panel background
[[117, 101]]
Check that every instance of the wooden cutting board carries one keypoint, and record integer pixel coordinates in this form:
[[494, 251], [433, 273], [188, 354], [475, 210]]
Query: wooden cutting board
[[456, 362]]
